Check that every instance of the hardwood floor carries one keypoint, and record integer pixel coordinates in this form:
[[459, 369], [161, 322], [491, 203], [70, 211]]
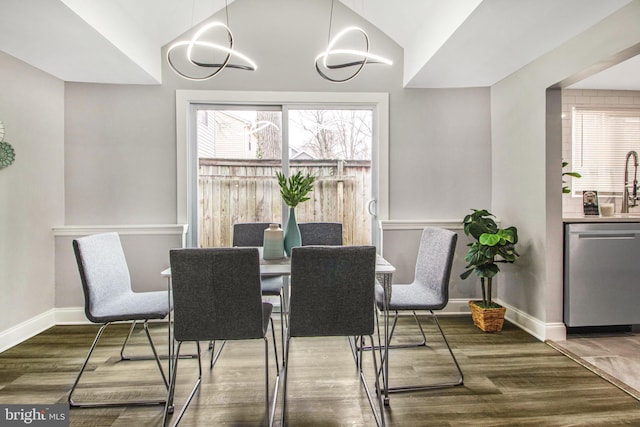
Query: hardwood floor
[[510, 379], [612, 355]]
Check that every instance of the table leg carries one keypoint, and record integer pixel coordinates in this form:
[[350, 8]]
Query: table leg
[[385, 280], [387, 291], [170, 347]]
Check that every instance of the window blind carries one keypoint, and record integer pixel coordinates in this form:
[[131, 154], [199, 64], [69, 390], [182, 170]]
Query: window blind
[[601, 139]]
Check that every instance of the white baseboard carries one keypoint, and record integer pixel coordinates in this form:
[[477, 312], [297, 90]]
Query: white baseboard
[[27, 329], [75, 316], [556, 331]]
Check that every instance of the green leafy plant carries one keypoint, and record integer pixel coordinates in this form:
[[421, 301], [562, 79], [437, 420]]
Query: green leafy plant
[[295, 189], [493, 245], [565, 188]]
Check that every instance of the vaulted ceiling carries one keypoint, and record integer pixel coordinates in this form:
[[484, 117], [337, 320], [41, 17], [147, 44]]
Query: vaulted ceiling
[[461, 43]]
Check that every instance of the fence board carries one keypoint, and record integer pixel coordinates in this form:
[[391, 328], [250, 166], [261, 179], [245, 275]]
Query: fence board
[[232, 191]]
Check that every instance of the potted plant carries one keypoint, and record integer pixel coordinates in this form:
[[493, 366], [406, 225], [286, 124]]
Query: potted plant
[[294, 191], [565, 187], [493, 245]]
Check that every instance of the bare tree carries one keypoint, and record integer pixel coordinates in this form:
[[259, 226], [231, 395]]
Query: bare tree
[[341, 134], [354, 132], [268, 134]]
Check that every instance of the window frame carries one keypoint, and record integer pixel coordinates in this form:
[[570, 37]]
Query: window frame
[[187, 100]]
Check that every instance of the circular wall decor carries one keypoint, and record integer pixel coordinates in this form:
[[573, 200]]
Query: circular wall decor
[[7, 155]]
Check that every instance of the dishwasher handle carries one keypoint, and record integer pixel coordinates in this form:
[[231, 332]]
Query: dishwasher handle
[[607, 236]]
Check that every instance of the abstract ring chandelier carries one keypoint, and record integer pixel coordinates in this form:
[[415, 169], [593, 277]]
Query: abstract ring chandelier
[[362, 57], [194, 64]]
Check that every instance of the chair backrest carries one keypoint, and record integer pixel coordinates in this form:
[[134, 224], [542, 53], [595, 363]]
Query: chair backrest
[[103, 271], [332, 290], [321, 233], [433, 265], [249, 233], [216, 294]]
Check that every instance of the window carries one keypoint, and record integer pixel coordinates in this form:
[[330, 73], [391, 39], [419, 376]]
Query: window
[[601, 139], [238, 184], [247, 136]]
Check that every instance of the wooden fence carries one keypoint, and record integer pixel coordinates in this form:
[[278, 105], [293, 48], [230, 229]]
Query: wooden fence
[[232, 191]]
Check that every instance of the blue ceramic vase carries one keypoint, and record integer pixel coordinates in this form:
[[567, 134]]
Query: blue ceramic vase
[[292, 236]]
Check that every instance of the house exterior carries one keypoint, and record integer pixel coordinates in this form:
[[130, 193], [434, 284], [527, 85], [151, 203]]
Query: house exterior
[[224, 135]]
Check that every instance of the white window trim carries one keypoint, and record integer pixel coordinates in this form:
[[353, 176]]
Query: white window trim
[[380, 156]]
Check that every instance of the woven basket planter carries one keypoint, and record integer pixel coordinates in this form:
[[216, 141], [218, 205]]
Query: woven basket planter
[[487, 319]]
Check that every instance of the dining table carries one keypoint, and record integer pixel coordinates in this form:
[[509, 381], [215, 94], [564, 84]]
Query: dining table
[[282, 267]]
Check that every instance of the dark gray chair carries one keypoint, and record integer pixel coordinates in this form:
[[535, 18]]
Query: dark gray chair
[[332, 294], [109, 298], [321, 233], [252, 234], [247, 234], [429, 291], [216, 296]]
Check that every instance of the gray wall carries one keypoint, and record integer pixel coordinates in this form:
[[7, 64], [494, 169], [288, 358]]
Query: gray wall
[[120, 140], [450, 150], [31, 190], [526, 181]]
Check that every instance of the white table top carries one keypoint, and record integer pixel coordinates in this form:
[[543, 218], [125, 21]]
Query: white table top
[[282, 267]]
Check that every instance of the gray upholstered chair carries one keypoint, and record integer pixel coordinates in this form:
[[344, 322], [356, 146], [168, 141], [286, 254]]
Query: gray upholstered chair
[[109, 298], [429, 291], [249, 233], [252, 234], [216, 296], [332, 294], [321, 233]]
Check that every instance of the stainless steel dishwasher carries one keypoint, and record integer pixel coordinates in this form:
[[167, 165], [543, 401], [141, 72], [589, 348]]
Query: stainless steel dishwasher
[[602, 274]]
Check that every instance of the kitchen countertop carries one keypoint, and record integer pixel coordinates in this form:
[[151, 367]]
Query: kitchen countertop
[[578, 217]]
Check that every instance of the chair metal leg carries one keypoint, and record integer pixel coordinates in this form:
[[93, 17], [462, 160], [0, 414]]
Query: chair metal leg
[[458, 382], [214, 358], [275, 347], [124, 357], [267, 413], [172, 387], [74, 404], [195, 388], [126, 340], [285, 370], [411, 345], [283, 308], [271, 413], [283, 319], [155, 353], [378, 415]]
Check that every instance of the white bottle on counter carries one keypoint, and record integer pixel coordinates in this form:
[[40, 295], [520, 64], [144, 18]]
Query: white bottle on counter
[[273, 246]]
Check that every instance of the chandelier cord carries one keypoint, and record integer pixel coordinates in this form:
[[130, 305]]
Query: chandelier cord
[[226, 11], [193, 12], [330, 21]]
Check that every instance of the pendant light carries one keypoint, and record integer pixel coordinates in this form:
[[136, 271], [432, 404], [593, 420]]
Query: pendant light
[[184, 61], [323, 63]]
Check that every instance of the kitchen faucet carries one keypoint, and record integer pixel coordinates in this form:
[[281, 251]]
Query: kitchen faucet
[[634, 192]]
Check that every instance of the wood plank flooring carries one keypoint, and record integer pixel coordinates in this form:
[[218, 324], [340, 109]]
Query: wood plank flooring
[[612, 355], [511, 379]]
